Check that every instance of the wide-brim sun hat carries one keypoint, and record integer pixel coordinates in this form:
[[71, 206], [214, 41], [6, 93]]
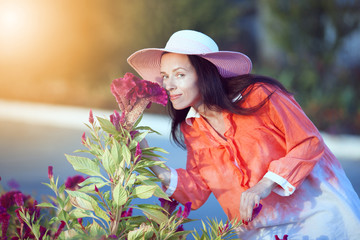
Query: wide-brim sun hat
[[146, 62]]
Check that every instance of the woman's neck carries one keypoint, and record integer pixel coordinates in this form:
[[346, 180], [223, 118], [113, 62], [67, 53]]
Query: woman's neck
[[214, 118]]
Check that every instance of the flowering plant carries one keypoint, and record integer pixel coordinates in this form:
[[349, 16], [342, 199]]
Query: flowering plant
[[105, 201]]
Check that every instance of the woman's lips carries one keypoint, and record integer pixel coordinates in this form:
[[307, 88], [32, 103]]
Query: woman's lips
[[174, 97]]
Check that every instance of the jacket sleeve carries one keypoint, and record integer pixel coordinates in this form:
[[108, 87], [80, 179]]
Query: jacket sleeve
[[303, 142], [191, 187]]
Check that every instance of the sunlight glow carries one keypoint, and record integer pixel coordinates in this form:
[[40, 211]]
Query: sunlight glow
[[18, 25]]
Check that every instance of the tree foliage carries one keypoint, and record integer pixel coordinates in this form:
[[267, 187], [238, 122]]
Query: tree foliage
[[311, 36]]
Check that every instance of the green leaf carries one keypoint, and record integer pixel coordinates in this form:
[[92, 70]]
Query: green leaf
[[45, 204], [108, 162], [144, 191], [158, 191], [90, 180], [156, 149], [125, 152], [96, 229], [64, 216], [154, 213], [141, 136], [107, 126], [81, 200], [100, 212], [84, 165], [144, 163], [79, 213], [62, 189], [138, 120], [91, 188], [115, 150], [147, 128], [119, 195]]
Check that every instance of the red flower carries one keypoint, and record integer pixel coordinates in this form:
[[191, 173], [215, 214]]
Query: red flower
[[83, 139], [4, 221], [127, 213], [180, 228], [91, 117], [7, 200], [72, 182], [178, 214], [19, 199], [187, 210], [50, 171], [129, 89], [285, 237], [256, 211], [138, 152], [169, 206], [116, 119], [61, 227]]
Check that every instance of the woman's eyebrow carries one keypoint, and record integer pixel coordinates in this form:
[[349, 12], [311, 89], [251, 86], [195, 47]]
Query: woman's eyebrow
[[175, 69]]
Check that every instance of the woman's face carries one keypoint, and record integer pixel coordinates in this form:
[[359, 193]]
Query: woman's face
[[180, 80]]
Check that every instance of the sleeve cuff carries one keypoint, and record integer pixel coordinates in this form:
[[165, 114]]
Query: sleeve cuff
[[284, 188], [173, 182]]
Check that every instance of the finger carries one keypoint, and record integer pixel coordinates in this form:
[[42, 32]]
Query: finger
[[256, 205], [250, 207], [243, 206], [247, 206]]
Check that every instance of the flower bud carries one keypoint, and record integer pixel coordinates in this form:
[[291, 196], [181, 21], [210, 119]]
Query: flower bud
[[91, 117], [50, 172]]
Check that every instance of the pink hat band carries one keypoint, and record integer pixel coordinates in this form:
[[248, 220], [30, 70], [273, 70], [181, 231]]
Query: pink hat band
[[229, 64]]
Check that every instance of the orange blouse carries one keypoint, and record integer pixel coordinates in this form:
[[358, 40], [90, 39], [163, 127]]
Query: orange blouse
[[279, 139], [278, 142]]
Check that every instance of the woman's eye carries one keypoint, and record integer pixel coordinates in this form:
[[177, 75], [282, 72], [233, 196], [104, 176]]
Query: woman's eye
[[180, 75], [164, 77]]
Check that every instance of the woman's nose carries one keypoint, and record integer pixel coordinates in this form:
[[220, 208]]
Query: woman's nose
[[168, 84]]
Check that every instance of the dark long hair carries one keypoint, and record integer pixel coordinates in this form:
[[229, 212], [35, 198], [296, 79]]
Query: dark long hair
[[218, 93]]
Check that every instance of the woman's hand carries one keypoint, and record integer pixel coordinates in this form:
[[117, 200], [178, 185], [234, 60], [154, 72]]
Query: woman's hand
[[251, 198]]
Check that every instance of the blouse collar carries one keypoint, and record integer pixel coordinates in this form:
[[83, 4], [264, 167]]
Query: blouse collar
[[191, 114], [194, 114]]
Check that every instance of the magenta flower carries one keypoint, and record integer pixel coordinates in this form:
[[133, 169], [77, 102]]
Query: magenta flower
[[4, 221], [178, 214], [83, 139], [180, 228], [19, 199], [169, 206], [91, 117], [60, 229], [133, 95], [256, 211], [133, 133], [116, 119], [187, 210], [72, 182], [127, 213], [284, 238], [7, 200], [138, 152], [50, 172]]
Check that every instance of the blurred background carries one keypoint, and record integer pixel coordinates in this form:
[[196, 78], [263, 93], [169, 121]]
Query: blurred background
[[58, 58], [68, 52]]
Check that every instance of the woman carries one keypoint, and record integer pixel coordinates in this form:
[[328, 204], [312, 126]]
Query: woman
[[248, 142]]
